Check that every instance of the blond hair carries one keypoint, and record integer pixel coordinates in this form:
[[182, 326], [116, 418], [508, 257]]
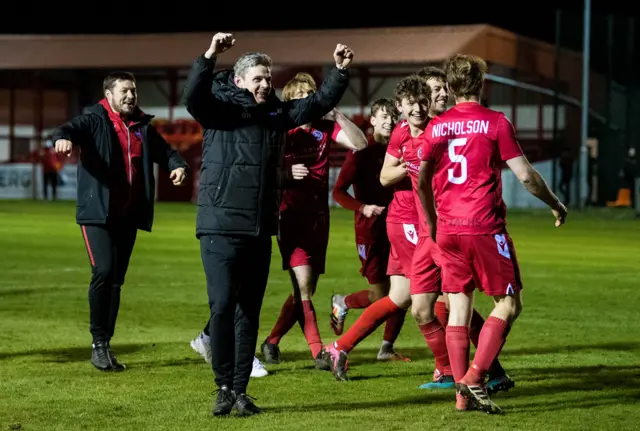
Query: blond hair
[[299, 83], [465, 75]]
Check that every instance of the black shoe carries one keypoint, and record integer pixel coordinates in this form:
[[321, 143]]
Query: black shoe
[[499, 383], [271, 352], [480, 398], [245, 407], [100, 356], [224, 401], [117, 366]]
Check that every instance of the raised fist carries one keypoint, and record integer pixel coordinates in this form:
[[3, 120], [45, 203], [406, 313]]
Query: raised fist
[[343, 55], [221, 42]]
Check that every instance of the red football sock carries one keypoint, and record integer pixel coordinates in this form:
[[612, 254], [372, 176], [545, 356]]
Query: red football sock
[[492, 338], [369, 320], [458, 346], [435, 337], [357, 300], [311, 332], [477, 321], [442, 314], [286, 320], [394, 325]]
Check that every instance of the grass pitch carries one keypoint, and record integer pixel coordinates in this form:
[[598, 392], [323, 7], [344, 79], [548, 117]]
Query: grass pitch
[[574, 353]]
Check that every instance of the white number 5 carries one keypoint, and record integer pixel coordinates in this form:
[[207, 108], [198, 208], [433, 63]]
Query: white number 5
[[457, 158]]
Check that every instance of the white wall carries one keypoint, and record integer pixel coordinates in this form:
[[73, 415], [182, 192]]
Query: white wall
[[20, 132], [16, 183]]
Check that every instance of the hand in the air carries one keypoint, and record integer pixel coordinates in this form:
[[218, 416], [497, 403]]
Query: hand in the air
[[220, 43], [343, 55]]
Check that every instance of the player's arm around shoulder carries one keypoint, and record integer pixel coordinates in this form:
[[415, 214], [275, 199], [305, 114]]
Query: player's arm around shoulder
[[348, 134]]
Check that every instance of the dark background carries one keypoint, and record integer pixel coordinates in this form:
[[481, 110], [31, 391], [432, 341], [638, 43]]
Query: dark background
[[534, 19]]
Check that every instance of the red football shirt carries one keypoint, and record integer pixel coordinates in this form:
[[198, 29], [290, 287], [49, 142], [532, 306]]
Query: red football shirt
[[361, 169], [402, 208], [309, 147], [412, 148], [468, 145]]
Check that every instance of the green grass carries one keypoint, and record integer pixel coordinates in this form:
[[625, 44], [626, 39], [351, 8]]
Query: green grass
[[574, 353]]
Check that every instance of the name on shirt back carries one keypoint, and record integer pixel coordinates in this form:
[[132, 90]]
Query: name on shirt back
[[456, 128]]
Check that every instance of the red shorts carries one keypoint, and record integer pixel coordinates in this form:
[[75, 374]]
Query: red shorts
[[487, 262], [425, 272], [374, 258], [403, 239], [303, 240]]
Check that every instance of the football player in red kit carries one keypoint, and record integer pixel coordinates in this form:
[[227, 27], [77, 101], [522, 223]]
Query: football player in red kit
[[462, 156], [370, 202], [425, 275], [304, 214], [413, 99]]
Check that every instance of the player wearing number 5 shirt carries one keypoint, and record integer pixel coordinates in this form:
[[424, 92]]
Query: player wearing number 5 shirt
[[462, 156]]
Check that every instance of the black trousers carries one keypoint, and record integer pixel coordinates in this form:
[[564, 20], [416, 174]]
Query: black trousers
[[109, 248], [237, 269], [565, 189], [50, 178]]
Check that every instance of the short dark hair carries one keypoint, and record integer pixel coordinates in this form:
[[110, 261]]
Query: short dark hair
[[430, 72], [110, 80], [387, 104]]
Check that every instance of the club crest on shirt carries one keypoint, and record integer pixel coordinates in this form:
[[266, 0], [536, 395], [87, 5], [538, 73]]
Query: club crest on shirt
[[317, 134], [138, 134], [420, 153]]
